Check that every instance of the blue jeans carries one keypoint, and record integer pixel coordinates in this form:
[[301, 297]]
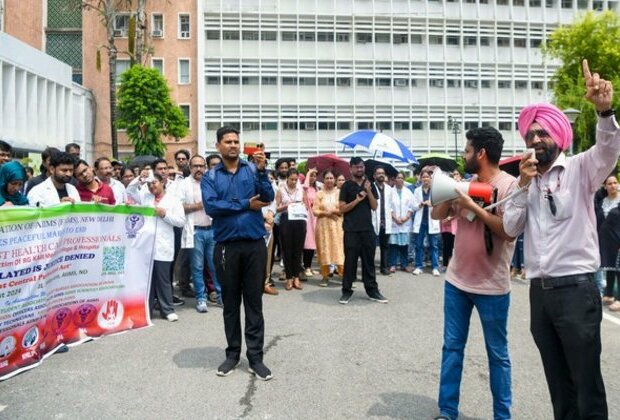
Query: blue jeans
[[493, 312], [433, 241], [398, 254], [204, 244], [517, 257]]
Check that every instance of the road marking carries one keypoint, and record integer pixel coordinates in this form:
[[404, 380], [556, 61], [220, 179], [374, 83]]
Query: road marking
[[611, 318], [2, 407]]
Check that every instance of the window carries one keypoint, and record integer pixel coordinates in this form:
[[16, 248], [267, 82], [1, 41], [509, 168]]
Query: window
[[249, 35], [383, 38], [213, 34], [435, 39], [472, 84], [158, 64], [537, 85], [401, 82], [417, 125], [269, 80], [383, 82], [235, 125], [157, 25], [485, 41], [184, 28], [213, 126], [269, 126], [230, 35], [249, 80], [343, 81], [454, 83], [401, 38], [363, 37], [470, 41], [269, 36], [520, 84], [289, 81], [230, 80], [401, 125], [436, 125], [325, 37], [213, 80], [250, 126], [414, 82], [307, 36], [550, 4], [520, 42], [289, 36], [535, 43], [186, 114], [453, 40], [307, 81], [121, 25], [518, 2], [184, 71], [502, 2], [505, 126], [364, 82], [364, 125], [471, 124], [310, 126], [582, 4], [503, 41], [384, 125], [503, 84], [326, 81], [343, 125], [485, 84], [435, 83], [343, 37], [325, 125], [121, 66], [416, 38], [289, 126], [535, 3]]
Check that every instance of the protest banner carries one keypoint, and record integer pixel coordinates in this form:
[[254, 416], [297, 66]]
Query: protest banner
[[70, 273]]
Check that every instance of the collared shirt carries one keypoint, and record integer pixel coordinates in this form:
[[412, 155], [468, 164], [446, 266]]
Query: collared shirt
[[104, 192], [565, 243], [226, 197], [200, 217]]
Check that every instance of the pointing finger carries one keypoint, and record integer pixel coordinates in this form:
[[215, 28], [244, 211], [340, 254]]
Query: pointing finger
[[586, 69]]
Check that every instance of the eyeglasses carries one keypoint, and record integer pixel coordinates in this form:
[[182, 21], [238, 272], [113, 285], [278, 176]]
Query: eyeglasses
[[541, 134], [181, 158]]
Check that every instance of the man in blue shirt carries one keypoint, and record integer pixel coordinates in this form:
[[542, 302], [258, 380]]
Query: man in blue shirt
[[233, 194]]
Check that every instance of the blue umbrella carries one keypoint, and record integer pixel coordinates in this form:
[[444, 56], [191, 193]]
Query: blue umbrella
[[379, 143]]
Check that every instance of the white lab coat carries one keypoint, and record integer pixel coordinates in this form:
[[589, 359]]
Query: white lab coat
[[45, 194], [376, 214], [433, 225], [400, 206]]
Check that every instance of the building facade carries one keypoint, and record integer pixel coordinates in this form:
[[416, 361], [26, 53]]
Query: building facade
[[298, 75]]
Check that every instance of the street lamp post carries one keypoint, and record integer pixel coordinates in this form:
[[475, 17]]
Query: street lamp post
[[572, 114], [455, 127]]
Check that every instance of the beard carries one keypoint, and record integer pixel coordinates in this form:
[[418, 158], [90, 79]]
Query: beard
[[61, 179], [472, 166], [548, 154]]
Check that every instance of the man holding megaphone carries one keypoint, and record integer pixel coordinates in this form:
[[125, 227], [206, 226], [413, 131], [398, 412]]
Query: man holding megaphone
[[478, 274]]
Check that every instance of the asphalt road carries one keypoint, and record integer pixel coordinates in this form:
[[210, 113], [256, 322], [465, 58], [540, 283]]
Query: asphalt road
[[330, 361]]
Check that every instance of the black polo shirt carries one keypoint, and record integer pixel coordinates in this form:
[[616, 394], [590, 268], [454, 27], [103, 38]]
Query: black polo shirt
[[359, 219]]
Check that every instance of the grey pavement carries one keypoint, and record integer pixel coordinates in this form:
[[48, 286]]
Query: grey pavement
[[330, 361]]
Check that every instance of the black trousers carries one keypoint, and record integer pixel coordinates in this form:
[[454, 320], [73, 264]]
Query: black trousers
[[612, 277], [447, 240], [240, 267], [292, 237], [308, 256], [276, 249], [384, 248], [359, 245], [566, 326], [160, 288], [180, 265]]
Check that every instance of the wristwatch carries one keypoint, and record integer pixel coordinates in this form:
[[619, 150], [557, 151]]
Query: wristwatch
[[606, 114]]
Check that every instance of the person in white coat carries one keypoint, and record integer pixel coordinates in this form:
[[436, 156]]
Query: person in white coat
[[381, 219], [57, 187], [424, 226], [169, 213], [401, 213]]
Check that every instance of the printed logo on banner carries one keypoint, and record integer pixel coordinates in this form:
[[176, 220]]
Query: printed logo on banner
[[62, 319], [7, 345], [111, 314], [113, 260], [84, 315], [133, 223], [31, 337]]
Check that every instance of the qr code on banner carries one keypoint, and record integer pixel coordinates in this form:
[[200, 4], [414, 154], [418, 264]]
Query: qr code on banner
[[113, 260]]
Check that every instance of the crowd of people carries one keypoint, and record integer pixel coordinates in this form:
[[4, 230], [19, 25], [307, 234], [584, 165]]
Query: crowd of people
[[224, 221]]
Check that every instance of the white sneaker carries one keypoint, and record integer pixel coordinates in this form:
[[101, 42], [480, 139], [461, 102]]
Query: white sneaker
[[436, 272], [308, 272], [201, 306], [417, 271], [172, 317]]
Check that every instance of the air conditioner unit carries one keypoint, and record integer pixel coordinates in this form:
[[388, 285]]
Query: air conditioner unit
[[400, 82], [157, 33], [119, 33]]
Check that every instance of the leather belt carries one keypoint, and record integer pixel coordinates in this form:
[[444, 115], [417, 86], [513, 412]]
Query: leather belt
[[547, 283], [202, 227]]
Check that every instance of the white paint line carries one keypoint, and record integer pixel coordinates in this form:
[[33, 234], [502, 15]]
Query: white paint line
[[2, 407], [611, 318]]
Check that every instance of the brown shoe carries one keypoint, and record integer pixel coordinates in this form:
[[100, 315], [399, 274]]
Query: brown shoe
[[608, 300], [615, 307], [297, 284], [270, 290], [289, 285]]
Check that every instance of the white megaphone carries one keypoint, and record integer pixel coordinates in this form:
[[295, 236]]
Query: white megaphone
[[444, 188]]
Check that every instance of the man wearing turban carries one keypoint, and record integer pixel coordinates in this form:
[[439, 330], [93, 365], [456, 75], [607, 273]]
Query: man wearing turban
[[556, 213]]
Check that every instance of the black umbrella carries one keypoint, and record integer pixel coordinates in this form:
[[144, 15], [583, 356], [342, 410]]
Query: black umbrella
[[371, 164], [445, 162], [140, 161]]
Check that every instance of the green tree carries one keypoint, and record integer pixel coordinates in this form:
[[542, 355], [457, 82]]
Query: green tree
[[597, 38], [146, 111]]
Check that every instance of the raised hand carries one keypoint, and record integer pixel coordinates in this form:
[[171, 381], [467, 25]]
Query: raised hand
[[598, 91], [256, 204]]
